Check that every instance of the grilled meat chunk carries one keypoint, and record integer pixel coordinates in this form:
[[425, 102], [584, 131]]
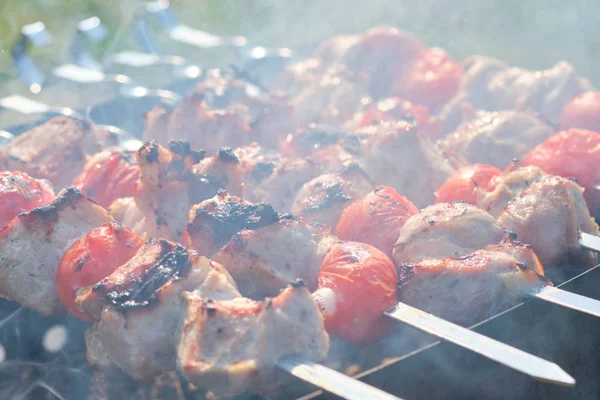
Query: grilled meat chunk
[[553, 202], [108, 175], [56, 150], [471, 288], [32, 245], [265, 259], [445, 230], [396, 155], [20, 192], [324, 198], [492, 85], [278, 182], [496, 138], [507, 186], [215, 221], [232, 346], [139, 306]]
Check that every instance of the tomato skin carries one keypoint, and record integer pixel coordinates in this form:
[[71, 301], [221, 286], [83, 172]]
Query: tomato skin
[[363, 282], [108, 175], [20, 192], [462, 184], [574, 153], [91, 259], [395, 108], [376, 219], [433, 79], [582, 112]]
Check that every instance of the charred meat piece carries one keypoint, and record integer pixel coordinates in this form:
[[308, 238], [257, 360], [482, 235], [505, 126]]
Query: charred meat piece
[[305, 142], [445, 230], [468, 289], [108, 176], [232, 346], [20, 192], [278, 182], [496, 138], [506, 187], [56, 150], [196, 121], [32, 245], [396, 155], [139, 306], [265, 259], [213, 222], [222, 171], [324, 198], [553, 202]]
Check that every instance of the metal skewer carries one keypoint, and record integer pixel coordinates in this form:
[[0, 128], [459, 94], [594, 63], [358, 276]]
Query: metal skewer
[[512, 357], [331, 380]]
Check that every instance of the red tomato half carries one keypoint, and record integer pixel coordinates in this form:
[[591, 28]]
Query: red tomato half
[[376, 219], [20, 193], [108, 175], [462, 184], [357, 283], [433, 79], [395, 108], [582, 112], [91, 259], [574, 153]]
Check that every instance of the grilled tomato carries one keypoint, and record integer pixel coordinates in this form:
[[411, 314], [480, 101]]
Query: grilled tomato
[[582, 112], [357, 282], [376, 219], [462, 184], [108, 175], [574, 153], [20, 192], [91, 259], [433, 79]]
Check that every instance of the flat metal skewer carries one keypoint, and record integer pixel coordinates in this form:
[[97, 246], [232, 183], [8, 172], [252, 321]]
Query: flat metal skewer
[[571, 300], [512, 357], [331, 380]]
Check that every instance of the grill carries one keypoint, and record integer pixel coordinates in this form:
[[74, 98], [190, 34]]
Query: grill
[[38, 366]]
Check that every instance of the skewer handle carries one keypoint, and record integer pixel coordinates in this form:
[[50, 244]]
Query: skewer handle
[[497, 351], [331, 380]]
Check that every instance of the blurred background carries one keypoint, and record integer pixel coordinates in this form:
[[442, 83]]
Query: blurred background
[[528, 33]]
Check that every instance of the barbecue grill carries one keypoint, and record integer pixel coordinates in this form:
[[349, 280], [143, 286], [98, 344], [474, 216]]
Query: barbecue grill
[[116, 94]]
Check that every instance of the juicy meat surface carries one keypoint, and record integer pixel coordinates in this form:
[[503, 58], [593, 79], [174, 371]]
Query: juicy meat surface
[[445, 230], [32, 245], [264, 260], [397, 155], [468, 289], [56, 150], [232, 346], [549, 215], [213, 222], [496, 138], [507, 186], [139, 306], [324, 198]]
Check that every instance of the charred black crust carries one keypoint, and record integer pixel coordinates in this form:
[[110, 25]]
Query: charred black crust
[[180, 147], [50, 210], [352, 145], [317, 136], [262, 170], [334, 194], [353, 168], [512, 235], [233, 216], [173, 265], [204, 187], [81, 263], [227, 155], [150, 151], [521, 265], [297, 283]]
